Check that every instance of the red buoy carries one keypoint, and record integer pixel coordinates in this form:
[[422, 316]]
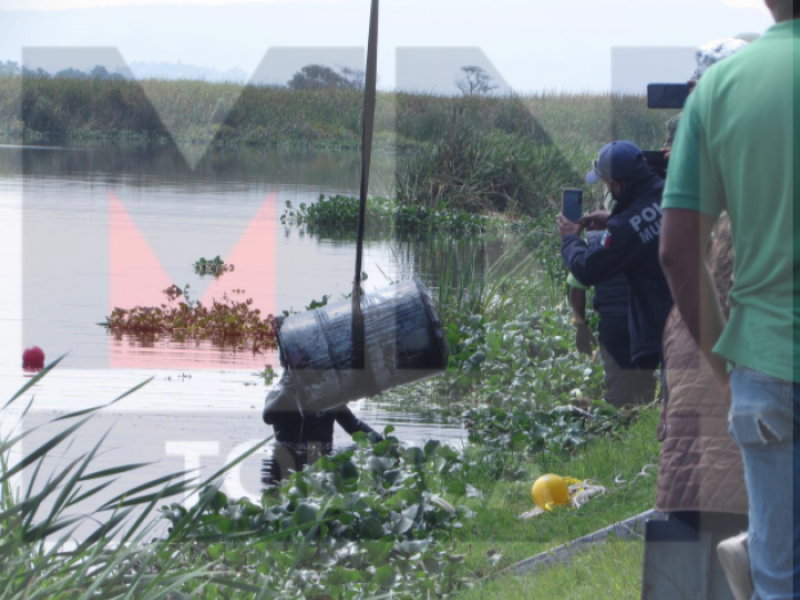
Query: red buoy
[[33, 358]]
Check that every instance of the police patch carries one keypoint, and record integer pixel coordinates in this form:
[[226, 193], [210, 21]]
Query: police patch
[[605, 241]]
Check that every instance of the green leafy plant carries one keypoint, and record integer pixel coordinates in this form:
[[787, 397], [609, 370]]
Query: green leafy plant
[[215, 266], [226, 322], [268, 374], [318, 304], [339, 214], [365, 522]]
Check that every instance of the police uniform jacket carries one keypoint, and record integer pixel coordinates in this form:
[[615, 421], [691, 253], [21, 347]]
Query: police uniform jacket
[[630, 246]]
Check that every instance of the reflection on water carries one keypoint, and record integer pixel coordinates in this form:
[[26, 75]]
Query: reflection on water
[[164, 166], [114, 227], [105, 228]]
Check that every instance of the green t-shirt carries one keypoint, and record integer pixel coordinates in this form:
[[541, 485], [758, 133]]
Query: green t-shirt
[[572, 281], [737, 150]]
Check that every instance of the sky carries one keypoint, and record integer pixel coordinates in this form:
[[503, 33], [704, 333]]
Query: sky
[[526, 45]]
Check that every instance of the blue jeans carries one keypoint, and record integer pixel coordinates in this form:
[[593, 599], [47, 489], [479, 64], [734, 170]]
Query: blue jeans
[[765, 421]]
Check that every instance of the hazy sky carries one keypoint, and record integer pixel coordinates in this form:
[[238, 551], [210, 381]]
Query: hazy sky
[[528, 45]]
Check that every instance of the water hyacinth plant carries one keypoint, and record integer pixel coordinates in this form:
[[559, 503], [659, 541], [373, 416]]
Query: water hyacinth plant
[[339, 215], [225, 322], [215, 266], [378, 520], [380, 526], [358, 525]]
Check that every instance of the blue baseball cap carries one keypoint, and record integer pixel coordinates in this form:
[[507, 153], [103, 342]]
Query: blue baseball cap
[[617, 161]]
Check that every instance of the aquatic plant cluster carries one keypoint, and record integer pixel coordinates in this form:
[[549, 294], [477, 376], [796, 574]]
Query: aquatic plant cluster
[[369, 521], [561, 428], [215, 266], [377, 520], [517, 384], [384, 216], [528, 358], [225, 322]]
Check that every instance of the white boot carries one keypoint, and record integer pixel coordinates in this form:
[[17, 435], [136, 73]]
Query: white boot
[[736, 563]]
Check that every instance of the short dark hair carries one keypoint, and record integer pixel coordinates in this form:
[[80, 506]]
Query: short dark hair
[[785, 7]]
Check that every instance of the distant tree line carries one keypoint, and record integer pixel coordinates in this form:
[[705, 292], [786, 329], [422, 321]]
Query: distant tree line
[[319, 77], [310, 77], [12, 69], [473, 80]]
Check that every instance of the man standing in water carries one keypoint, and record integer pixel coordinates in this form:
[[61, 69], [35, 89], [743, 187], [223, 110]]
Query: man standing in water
[[737, 149], [303, 438]]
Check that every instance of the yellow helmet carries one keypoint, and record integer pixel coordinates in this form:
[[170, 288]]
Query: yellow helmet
[[549, 490]]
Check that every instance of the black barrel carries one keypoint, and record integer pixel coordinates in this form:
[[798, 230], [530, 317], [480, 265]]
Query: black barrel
[[404, 342]]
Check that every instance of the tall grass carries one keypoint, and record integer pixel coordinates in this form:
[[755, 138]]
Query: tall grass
[[41, 553], [482, 277], [481, 172], [609, 572], [156, 110]]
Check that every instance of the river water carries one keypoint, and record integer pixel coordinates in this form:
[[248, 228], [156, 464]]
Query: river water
[[85, 230]]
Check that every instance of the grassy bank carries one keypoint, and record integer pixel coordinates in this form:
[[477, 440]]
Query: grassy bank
[[381, 519], [155, 111], [497, 527], [609, 572]]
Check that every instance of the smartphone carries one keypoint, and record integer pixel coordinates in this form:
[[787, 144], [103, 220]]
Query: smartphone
[[667, 95], [656, 158], [571, 205]]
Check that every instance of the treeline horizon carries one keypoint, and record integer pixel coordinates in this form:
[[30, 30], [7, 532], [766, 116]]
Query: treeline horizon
[[473, 81]]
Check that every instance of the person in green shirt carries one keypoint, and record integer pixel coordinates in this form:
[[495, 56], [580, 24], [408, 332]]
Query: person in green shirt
[[736, 150]]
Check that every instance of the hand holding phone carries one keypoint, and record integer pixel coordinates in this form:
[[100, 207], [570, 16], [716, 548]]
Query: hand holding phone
[[597, 221]]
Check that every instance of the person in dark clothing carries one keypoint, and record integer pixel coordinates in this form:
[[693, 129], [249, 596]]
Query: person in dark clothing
[[302, 438], [629, 245], [626, 385]]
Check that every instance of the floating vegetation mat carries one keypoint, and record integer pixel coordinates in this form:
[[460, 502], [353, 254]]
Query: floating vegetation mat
[[226, 322]]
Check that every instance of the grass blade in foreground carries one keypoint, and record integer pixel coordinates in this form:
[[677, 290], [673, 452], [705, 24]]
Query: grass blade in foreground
[[95, 566]]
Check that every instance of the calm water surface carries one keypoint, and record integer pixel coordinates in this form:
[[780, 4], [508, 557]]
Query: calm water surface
[[85, 230]]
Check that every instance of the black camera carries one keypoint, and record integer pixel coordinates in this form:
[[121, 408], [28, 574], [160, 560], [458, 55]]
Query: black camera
[[664, 95], [656, 159], [667, 95]]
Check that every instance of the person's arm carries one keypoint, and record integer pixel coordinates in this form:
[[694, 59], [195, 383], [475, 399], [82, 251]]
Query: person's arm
[[693, 200], [584, 338], [596, 221], [603, 262], [684, 238], [577, 300], [352, 424]]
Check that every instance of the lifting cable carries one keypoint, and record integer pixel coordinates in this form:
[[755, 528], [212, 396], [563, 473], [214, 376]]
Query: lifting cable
[[368, 124]]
